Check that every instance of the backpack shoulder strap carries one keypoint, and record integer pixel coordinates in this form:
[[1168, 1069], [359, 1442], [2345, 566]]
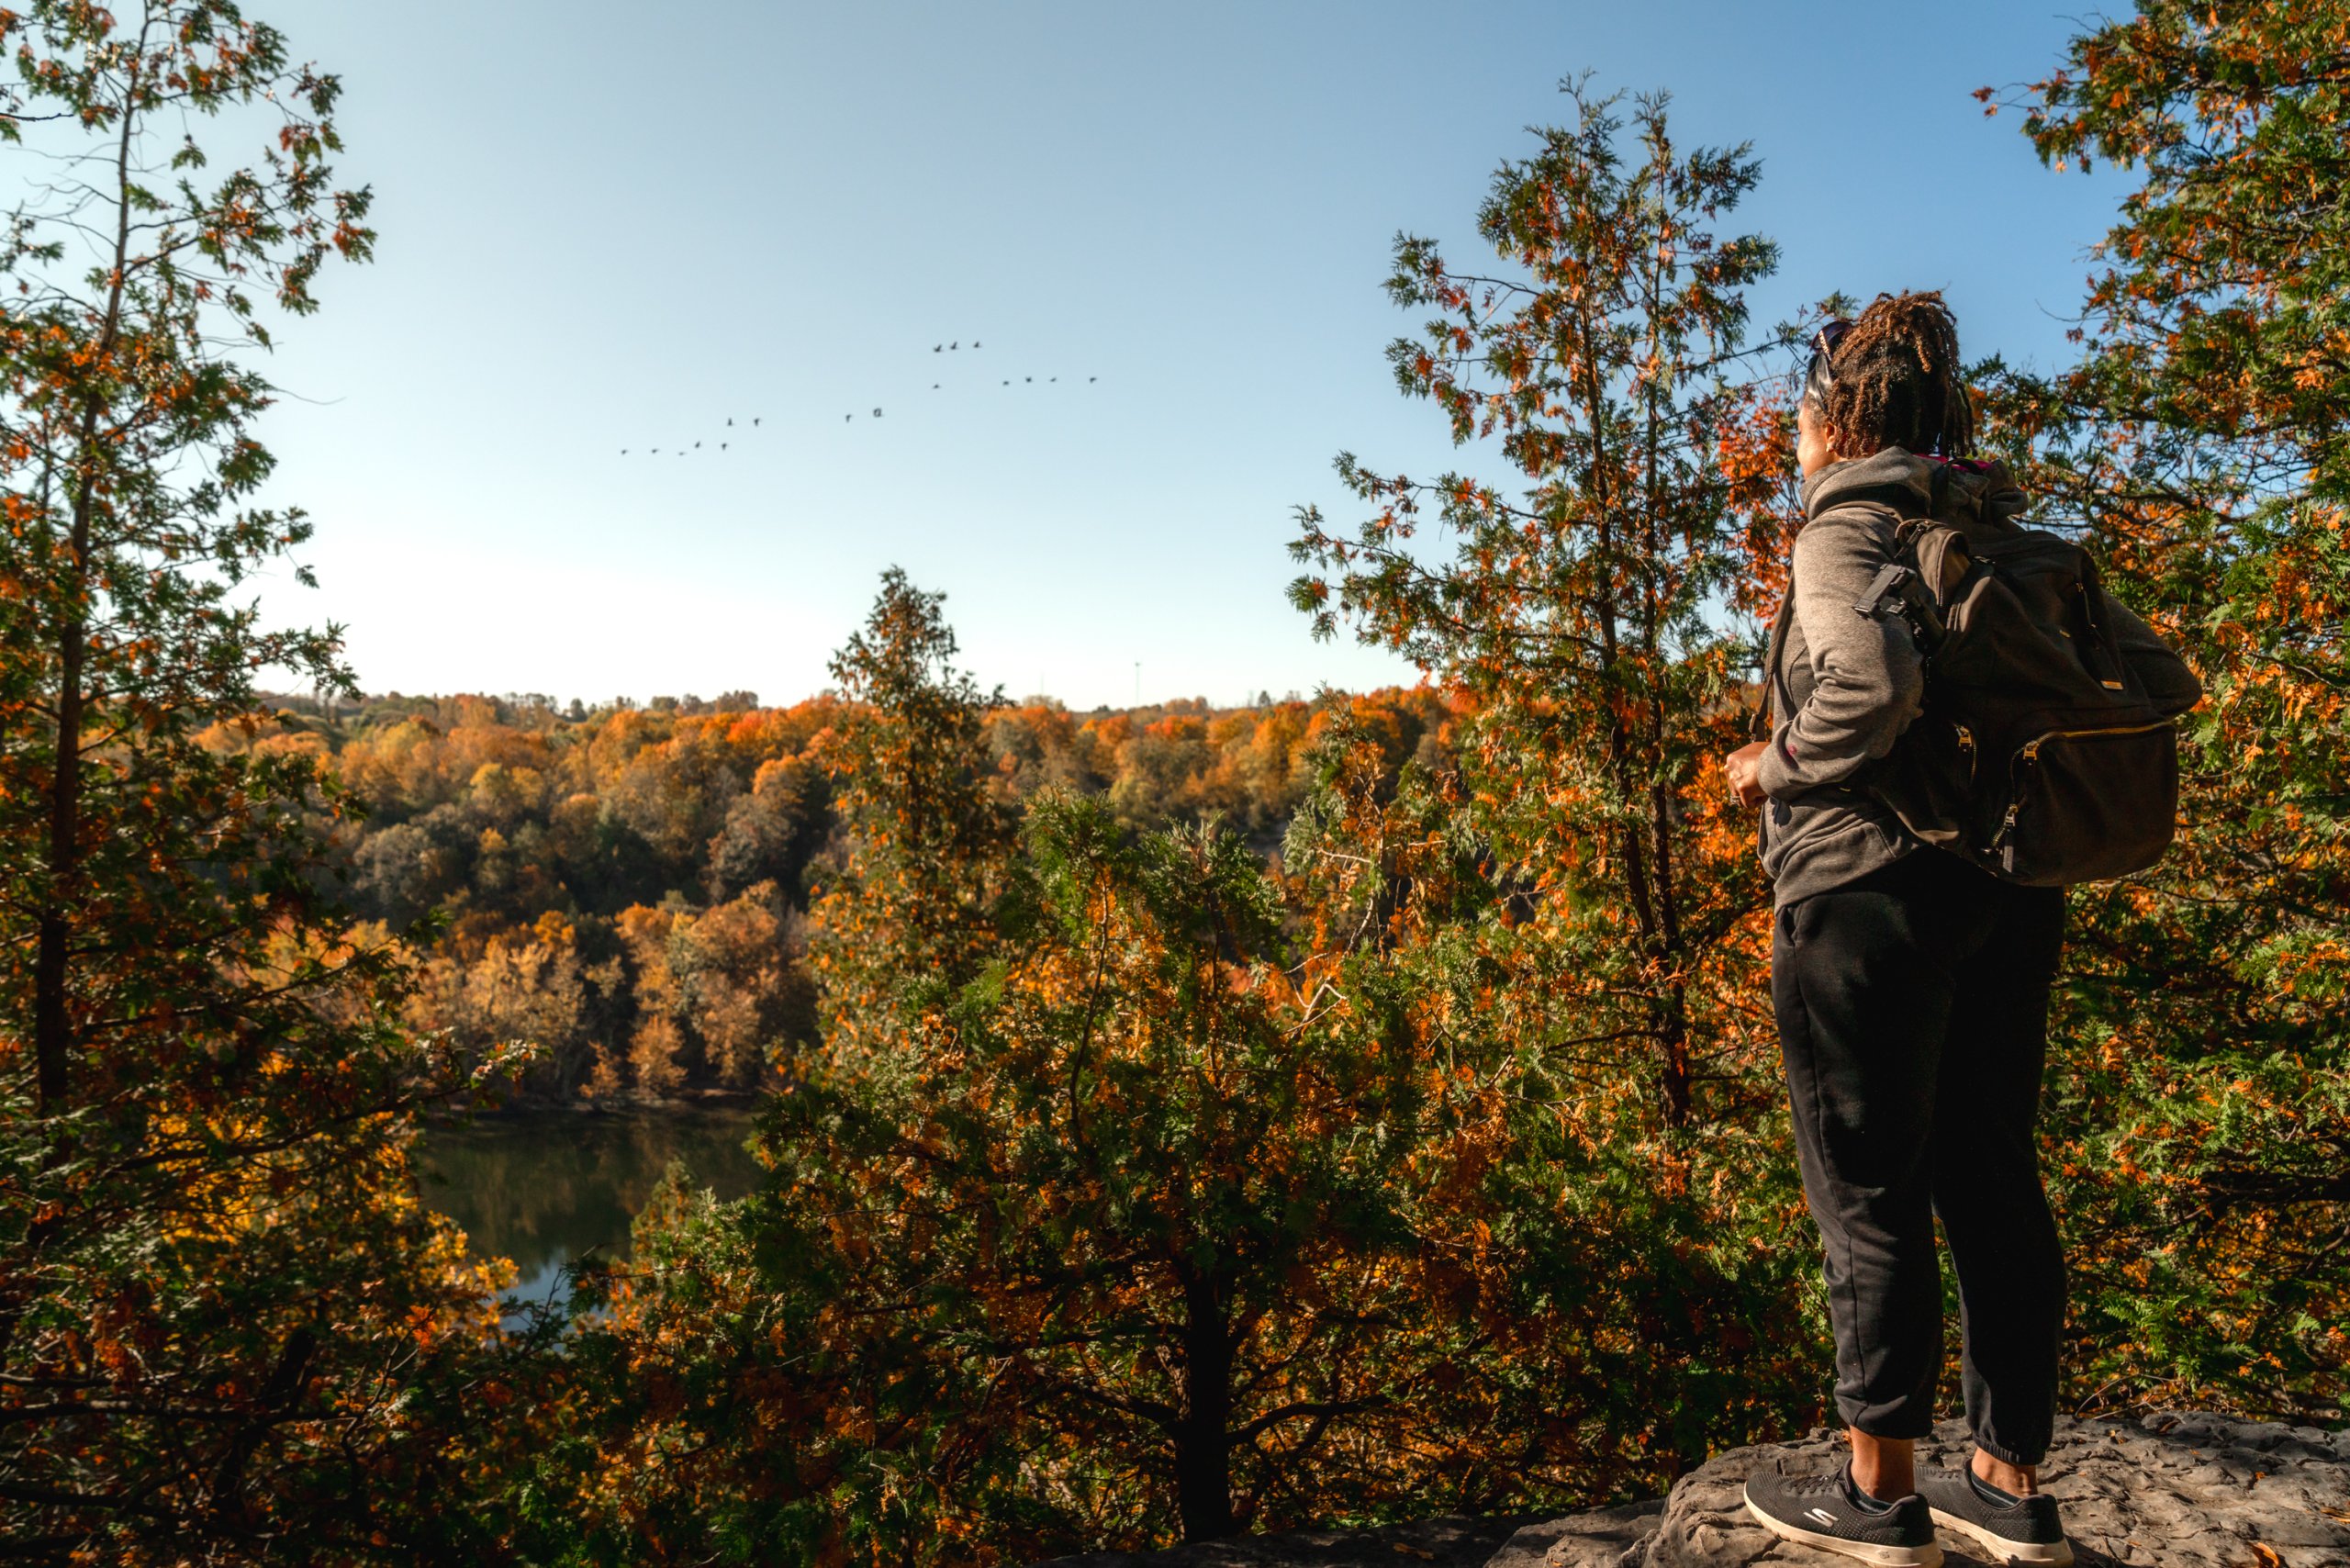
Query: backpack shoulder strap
[[1773, 675], [1904, 585]]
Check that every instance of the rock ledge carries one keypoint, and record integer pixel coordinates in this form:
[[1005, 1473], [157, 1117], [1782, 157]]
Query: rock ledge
[[2176, 1490]]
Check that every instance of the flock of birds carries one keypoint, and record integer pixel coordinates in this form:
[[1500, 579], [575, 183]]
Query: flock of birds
[[759, 421]]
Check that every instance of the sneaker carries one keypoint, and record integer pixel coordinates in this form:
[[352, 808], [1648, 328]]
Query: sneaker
[[2016, 1529], [1826, 1511]]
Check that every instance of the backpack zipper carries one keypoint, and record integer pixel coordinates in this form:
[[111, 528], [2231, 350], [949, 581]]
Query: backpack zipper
[[2001, 850], [2030, 753]]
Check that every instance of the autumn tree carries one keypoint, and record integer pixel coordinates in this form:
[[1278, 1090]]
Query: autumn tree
[[1585, 612], [752, 1391], [2201, 443], [719, 995], [1570, 906], [905, 903], [218, 1295], [1134, 1182], [1092, 1168], [524, 985], [1076, 1223]]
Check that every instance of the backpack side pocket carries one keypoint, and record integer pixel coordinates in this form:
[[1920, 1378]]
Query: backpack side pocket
[[2089, 804]]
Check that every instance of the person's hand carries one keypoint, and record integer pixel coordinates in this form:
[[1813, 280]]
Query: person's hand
[[1743, 767]]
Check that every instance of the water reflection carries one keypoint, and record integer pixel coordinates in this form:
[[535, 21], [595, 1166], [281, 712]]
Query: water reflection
[[543, 1188]]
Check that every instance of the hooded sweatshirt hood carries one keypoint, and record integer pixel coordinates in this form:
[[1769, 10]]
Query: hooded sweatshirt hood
[[1968, 493]]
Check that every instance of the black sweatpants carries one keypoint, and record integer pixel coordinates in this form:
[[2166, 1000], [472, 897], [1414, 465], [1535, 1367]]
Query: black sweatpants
[[1913, 1015]]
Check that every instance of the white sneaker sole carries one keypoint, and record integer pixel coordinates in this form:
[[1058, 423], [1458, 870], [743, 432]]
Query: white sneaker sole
[[2057, 1555], [1927, 1556]]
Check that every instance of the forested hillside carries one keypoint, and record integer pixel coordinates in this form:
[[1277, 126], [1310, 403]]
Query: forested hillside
[[627, 889]]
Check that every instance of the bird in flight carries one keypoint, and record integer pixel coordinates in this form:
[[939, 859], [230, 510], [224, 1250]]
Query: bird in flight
[[730, 422], [846, 418], [1091, 379], [877, 413], [934, 387], [1027, 378], [938, 348], [697, 446], [952, 347], [975, 343], [623, 452], [754, 424], [721, 446]]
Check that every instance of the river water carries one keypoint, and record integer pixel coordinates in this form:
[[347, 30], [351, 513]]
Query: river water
[[545, 1187]]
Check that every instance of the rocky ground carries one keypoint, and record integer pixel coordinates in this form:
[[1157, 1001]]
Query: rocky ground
[[2179, 1491]]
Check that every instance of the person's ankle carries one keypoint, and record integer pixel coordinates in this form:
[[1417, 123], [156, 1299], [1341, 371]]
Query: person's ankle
[[1867, 1500], [2016, 1480], [1882, 1468], [1883, 1486]]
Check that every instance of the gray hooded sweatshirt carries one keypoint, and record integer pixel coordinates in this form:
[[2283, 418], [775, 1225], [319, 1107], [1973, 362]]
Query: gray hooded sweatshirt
[[1852, 683]]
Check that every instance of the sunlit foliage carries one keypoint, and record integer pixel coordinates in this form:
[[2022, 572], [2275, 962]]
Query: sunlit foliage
[[219, 1299], [2202, 1143], [627, 888], [1175, 1122]]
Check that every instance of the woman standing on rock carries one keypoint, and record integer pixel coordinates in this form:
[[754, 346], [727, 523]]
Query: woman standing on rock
[[1910, 985]]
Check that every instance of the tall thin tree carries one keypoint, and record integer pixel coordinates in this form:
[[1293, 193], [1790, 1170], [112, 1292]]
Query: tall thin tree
[[2202, 444], [215, 1283], [1585, 615]]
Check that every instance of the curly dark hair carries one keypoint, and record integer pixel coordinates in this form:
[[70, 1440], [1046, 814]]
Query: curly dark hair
[[1894, 378]]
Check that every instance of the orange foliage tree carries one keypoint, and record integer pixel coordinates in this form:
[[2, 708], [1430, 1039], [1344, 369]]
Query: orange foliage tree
[[1574, 905], [220, 1303], [1586, 614], [1137, 1189], [2201, 1119]]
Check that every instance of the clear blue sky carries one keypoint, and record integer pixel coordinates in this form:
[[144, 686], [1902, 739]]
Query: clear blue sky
[[609, 225]]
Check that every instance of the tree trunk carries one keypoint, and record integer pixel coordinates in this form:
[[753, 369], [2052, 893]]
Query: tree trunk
[[52, 1021], [1672, 1022], [1204, 1437], [52, 1018]]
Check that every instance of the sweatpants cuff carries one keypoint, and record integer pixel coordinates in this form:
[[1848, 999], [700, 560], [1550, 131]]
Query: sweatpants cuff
[[2006, 1455]]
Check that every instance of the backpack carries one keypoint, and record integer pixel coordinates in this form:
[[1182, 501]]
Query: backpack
[[2037, 753]]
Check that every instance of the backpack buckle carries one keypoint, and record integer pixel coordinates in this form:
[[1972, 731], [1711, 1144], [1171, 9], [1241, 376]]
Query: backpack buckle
[[1897, 587], [1883, 589]]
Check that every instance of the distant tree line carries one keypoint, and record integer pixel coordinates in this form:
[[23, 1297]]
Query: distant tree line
[[627, 889]]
